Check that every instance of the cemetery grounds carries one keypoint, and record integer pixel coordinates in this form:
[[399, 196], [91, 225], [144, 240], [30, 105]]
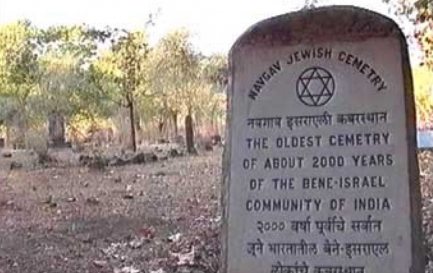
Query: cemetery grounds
[[156, 217]]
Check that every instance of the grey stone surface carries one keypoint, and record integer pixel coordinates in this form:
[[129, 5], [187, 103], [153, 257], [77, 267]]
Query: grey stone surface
[[56, 130], [320, 169]]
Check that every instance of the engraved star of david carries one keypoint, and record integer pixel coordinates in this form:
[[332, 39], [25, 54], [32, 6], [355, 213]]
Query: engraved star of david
[[315, 86]]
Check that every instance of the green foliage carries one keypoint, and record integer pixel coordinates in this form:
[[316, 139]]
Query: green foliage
[[424, 32], [175, 72], [120, 73], [423, 86], [215, 71], [66, 84], [19, 73], [84, 73], [420, 13], [80, 41], [19, 67]]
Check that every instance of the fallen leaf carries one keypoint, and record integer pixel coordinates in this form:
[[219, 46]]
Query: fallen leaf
[[147, 232], [158, 271], [136, 243], [175, 237], [185, 258], [126, 269]]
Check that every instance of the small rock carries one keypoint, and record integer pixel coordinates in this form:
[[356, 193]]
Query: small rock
[[93, 200], [16, 165], [99, 263], [117, 161], [86, 239], [187, 269], [158, 271], [163, 141], [138, 159], [117, 179], [163, 158], [128, 269], [139, 176], [7, 154], [185, 258], [160, 173], [128, 195], [174, 153], [142, 158], [50, 202]]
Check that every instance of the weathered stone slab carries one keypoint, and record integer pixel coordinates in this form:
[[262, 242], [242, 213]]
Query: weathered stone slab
[[320, 171], [56, 130]]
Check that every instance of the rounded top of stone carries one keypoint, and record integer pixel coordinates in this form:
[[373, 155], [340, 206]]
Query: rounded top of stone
[[332, 23]]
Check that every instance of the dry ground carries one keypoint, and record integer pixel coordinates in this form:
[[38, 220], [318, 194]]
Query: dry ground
[[160, 217], [124, 219]]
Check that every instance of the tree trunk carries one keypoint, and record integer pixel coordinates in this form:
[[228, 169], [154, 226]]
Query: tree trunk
[[8, 136], [137, 122], [189, 135], [138, 128], [132, 123], [160, 127], [21, 141], [175, 125], [56, 130]]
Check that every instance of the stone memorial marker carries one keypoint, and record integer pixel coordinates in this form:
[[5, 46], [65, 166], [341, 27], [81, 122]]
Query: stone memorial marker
[[56, 130], [320, 172]]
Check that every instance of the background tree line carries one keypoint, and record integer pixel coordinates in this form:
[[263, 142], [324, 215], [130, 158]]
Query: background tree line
[[419, 15], [90, 78]]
